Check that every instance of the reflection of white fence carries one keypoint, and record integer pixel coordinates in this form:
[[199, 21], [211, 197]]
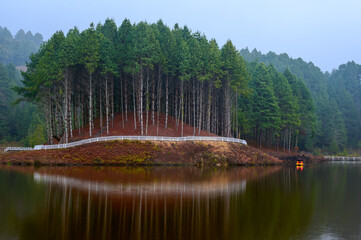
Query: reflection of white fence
[[338, 158], [155, 188], [140, 138]]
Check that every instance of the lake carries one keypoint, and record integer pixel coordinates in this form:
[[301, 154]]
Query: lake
[[321, 201]]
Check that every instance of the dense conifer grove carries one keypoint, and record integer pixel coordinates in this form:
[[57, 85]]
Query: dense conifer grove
[[336, 96], [146, 69]]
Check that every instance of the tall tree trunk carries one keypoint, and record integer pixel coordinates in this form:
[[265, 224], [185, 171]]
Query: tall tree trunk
[[71, 122], [94, 108], [69, 105], [189, 106], [65, 116], [194, 107], [141, 100], [82, 114], [121, 98], [290, 141], [176, 109], [153, 94], [56, 121], [159, 92], [112, 100], [166, 102], [90, 104], [182, 107], [60, 116], [227, 108], [209, 103], [100, 111], [200, 109], [75, 114], [125, 99], [214, 117], [260, 139], [147, 104], [66, 104], [50, 122], [60, 121], [284, 139], [107, 102], [135, 109], [53, 120], [237, 113], [197, 103], [71, 109]]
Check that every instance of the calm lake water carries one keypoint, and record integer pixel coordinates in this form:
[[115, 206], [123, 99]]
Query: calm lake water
[[320, 202]]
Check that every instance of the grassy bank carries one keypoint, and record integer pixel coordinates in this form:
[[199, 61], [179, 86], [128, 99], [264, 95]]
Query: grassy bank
[[145, 153]]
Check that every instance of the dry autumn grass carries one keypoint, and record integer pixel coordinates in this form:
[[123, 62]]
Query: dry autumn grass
[[145, 153]]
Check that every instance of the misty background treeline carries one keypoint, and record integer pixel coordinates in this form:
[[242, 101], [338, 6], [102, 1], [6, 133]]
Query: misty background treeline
[[23, 122], [143, 69], [17, 49]]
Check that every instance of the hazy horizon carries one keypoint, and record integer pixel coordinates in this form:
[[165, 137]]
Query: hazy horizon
[[323, 32]]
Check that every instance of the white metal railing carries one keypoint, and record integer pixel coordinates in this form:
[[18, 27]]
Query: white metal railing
[[339, 158], [18, 149], [140, 138]]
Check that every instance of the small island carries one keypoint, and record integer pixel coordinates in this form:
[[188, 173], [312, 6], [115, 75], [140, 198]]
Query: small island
[[153, 153], [150, 80]]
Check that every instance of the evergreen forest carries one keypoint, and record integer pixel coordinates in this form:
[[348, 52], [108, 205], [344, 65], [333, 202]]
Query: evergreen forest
[[17, 49], [336, 97], [21, 122], [147, 69]]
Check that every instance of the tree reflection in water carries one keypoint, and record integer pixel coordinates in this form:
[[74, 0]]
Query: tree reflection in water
[[167, 203]]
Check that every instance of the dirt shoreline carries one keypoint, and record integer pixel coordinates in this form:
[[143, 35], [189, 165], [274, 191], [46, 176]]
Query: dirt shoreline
[[151, 153], [148, 153]]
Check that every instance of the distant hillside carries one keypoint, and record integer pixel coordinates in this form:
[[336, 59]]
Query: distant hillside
[[345, 88], [336, 96], [19, 121], [308, 72], [17, 49]]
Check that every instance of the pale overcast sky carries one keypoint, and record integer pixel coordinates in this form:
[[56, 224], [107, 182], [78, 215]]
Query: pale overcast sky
[[326, 32]]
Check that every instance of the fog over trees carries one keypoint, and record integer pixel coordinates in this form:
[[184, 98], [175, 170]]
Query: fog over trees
[[17, 49]]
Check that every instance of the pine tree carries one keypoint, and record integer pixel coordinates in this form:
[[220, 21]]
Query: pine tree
[[90, 51], [265, 113]]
